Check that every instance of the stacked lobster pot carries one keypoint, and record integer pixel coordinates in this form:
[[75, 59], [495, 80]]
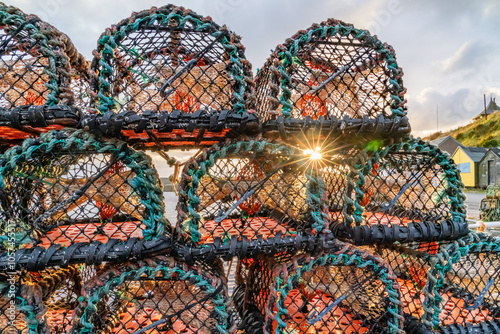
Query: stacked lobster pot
[[40, 73], [307, 177], [85, 244]]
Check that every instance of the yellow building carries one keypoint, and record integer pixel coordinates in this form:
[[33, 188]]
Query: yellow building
[[467, 160]]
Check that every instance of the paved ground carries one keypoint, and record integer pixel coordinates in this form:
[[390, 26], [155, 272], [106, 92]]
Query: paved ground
[[472, 201], [170, 204]]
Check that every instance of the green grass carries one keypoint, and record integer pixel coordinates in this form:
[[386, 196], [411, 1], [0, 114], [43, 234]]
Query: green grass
[[480, 133]]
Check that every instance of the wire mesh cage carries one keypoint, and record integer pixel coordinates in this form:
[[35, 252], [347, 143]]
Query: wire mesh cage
[[249, 190], [344, 290], [174, 61], [157, 296], [403, 192], [66, 188], [41, 302], [253, 281], [468, 285], [331, 70], [449, 286], [37, 66]]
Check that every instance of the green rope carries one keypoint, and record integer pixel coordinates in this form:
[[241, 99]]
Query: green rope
[[316, 200]]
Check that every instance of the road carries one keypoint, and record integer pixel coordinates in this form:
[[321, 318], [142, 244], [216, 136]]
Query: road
[[170, 204], [472, 201]]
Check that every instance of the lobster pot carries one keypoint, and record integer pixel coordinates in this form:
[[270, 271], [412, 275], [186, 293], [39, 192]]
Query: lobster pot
[[449, 286], [66, 188], [157, 296], [405, 192], [344, 290], [249, 190], [467, 292], [488, 210], [174, 61], [331, 70], [36, 62], [41, 302]]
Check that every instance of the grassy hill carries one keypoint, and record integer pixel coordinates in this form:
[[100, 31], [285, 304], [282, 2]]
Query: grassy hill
[[479, 133]]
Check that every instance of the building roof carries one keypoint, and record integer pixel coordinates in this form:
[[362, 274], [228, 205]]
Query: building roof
[[474, 153], [490, 108], [439, 141], [495, 150]]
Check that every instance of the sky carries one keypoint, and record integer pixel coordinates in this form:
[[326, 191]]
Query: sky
[[449, 50]]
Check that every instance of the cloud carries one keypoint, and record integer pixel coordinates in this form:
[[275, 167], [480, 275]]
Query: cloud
[[454, 109], [470, 56]]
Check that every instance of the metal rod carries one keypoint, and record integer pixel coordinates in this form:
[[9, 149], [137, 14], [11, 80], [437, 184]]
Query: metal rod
[[192, 63], [339, 72], [485, 112]]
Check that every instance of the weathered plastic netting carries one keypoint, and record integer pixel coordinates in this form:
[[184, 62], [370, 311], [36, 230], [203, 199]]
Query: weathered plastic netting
[[249, 190], [449, 286], [41, 302], [66, 188], [38, 66], [156, 296], [343, 290], [403, 192], [331, 70]]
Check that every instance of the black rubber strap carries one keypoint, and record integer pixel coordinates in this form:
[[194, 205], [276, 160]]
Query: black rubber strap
[[36, 116]]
